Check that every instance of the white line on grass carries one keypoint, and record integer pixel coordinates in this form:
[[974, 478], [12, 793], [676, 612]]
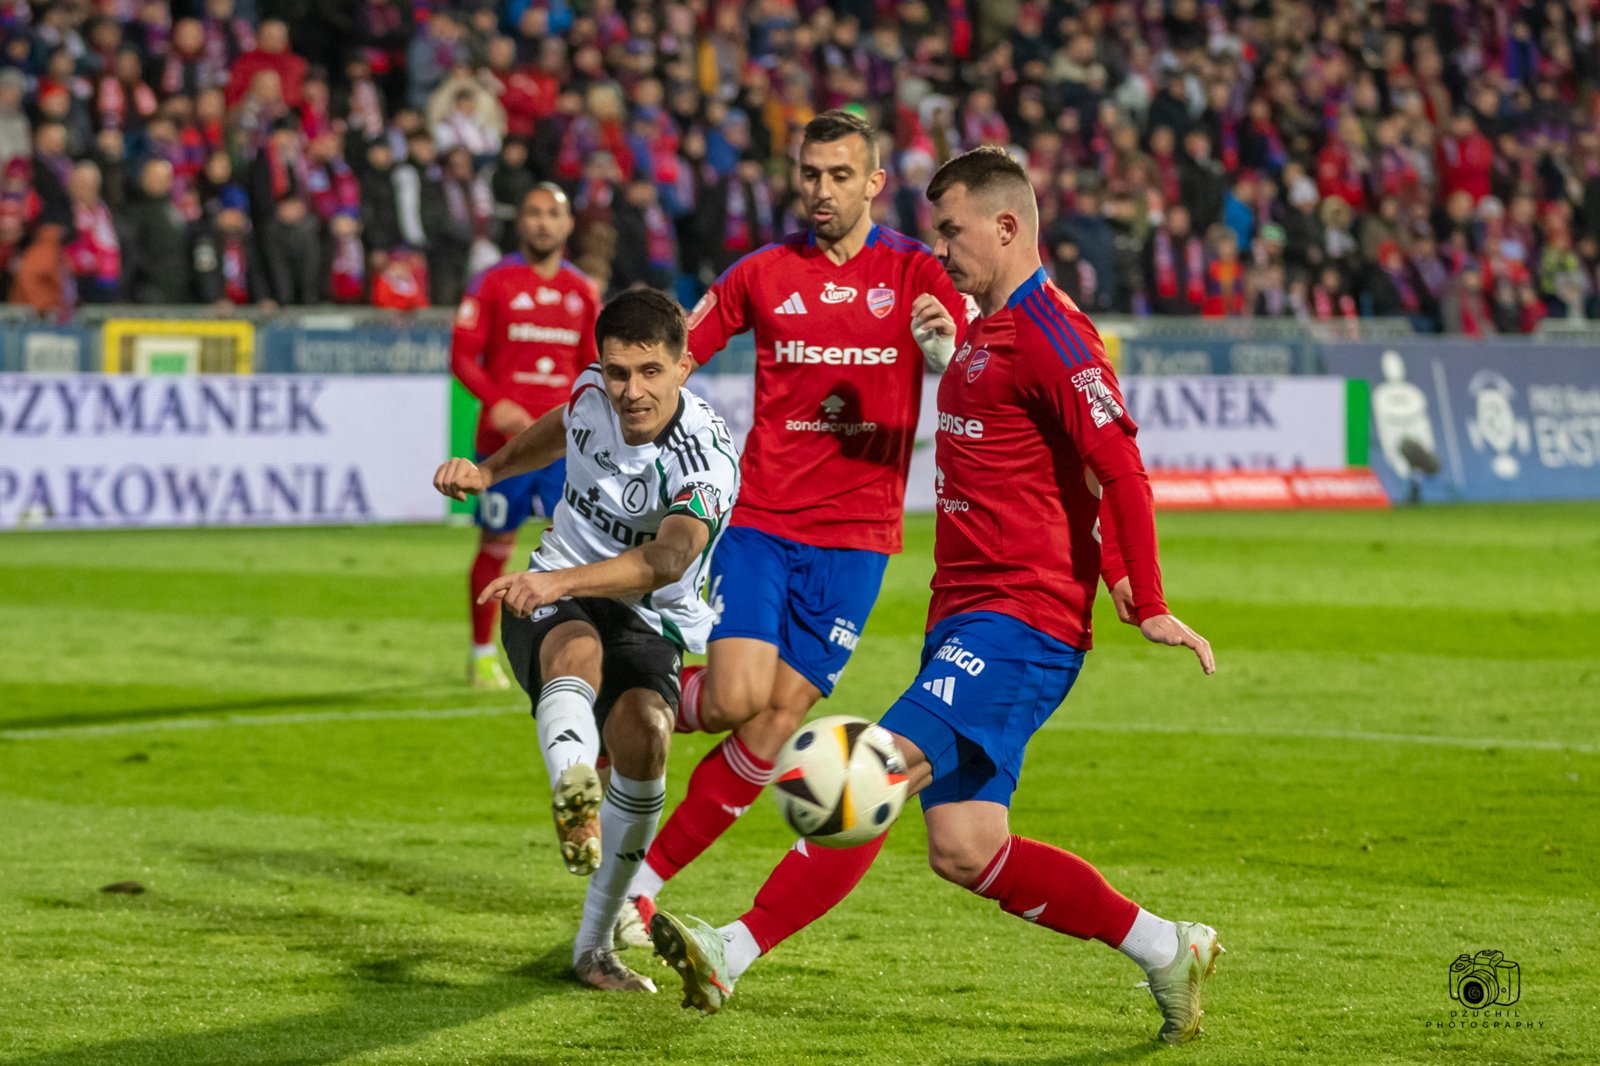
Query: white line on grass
[[73, 732]]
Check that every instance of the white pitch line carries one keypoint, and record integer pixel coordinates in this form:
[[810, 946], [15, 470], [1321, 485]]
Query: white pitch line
[[73, 732]]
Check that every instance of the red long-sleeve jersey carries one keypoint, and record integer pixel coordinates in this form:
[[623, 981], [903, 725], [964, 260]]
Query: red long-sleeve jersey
[[838, 383], [1028, 411], [522, 337]]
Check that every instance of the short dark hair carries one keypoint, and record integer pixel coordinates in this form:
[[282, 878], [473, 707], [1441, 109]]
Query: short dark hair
[[642, 316], [987, 168], [552, 189], [838, 124]]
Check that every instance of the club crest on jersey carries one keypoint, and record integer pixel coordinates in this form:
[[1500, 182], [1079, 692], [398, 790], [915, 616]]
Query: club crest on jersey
[[574, 303], [635, 496], [980, 359], [837, 294], [880, 301]]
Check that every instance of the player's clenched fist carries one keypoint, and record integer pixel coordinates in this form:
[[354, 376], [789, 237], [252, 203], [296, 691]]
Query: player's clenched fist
[[934, 330], [525, 592], [460, 478]]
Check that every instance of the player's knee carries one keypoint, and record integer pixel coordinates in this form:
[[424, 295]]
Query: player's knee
[[638, 735], [958, 865]]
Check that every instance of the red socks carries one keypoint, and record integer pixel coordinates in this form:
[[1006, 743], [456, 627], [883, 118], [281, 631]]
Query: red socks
[[489, 564], [694, 682], [1057, 890], [722, 787], [807, 884]]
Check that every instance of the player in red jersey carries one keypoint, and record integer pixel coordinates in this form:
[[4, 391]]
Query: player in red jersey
[[524, 330], [845, 315], [1032, 431]]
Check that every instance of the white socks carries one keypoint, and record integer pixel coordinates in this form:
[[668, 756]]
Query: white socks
[[628, 818], [483, 651], [1152, 942], [646, 882], [739, 949], [565, 717]]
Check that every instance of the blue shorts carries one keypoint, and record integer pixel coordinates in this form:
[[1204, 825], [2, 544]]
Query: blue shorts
[[510, 503], [987, 684], [810, 603]]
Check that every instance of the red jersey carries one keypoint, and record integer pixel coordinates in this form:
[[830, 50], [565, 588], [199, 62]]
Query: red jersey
[[522, 337], [1028, 411], [838, 383]]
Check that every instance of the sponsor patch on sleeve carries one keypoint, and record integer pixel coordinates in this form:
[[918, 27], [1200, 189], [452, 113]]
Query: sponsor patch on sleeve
[[698, 500], [1103, 406], [703, 308], [467, 313]]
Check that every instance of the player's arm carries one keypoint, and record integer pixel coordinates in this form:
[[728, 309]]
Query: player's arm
[[1094, 416], [533, 449], [1113, 571], [469, 337], [721, 313], [679, 541], [939, 315]]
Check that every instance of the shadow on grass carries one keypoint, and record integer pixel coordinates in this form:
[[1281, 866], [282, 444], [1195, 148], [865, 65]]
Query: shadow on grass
[[394, 985], [352, 699]]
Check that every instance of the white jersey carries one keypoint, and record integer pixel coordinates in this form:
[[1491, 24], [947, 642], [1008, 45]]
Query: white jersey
[[617, 494]]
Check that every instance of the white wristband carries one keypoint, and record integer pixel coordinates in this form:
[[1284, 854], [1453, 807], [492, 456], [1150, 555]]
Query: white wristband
[[936, 348]]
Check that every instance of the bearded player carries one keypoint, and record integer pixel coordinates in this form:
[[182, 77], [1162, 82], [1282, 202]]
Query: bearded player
[[845, 315], [524, 330], [1017, 560]]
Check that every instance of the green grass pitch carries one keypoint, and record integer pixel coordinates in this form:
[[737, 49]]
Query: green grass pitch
[[347, 857]]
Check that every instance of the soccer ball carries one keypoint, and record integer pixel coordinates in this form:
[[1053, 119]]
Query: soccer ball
[[840, 781]]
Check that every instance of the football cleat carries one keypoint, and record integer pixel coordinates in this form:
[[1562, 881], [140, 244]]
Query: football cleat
[[576, 806], [697, 953], [601, 969], [633, 923], [1177, 985], [485, 672]]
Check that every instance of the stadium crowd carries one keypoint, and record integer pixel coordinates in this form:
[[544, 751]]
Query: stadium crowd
[[1433, 159]]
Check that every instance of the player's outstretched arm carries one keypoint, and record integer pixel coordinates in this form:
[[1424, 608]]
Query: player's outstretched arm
[[534, 448], [635, 572]]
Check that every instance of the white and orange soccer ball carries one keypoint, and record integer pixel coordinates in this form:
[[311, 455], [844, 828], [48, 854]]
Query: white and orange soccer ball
[[840, 781]]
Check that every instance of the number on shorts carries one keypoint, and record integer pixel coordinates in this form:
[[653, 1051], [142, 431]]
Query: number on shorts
[[496, 508]]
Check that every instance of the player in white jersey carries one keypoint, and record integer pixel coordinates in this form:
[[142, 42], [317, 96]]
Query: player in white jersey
[[596, 627]]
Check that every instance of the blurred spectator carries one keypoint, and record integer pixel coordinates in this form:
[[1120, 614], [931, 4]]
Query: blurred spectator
[[466, 116], [291, 254], [15, 133], [402, 280], [270, 54], [158, 253], [461, 245], [228, 268], [95, 252], [433, 54], [380, 211], [1175, 266], [347, 262]]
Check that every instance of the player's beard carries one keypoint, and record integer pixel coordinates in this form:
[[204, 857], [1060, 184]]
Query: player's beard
[[538, 252], [837, 226]]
